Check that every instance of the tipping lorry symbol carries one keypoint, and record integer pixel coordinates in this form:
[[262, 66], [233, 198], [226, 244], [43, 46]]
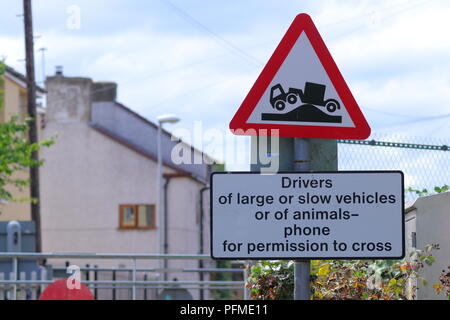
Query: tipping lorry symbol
[[312, 94]]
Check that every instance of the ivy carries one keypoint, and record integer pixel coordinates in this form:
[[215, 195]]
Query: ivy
[[425, 192], [349, 279], [444, 285]]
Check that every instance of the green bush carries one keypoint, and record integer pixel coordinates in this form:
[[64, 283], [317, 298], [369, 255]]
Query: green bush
[[350, 279]]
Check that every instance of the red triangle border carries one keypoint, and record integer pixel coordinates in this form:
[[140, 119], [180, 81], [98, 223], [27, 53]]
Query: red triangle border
[[302, 23]]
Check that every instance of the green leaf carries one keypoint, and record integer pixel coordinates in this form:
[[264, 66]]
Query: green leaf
[[392, 283], [429, 260]]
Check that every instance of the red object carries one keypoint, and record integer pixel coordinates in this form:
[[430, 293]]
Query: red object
[[302, 23], [59, 290]]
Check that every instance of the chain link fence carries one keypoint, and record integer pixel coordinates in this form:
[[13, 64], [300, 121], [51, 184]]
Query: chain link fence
[[425, 162]]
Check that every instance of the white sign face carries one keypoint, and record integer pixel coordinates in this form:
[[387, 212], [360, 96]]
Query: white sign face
[[302, 77], [321, 215]]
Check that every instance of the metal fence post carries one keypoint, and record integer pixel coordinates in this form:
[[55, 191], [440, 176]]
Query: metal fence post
[[133, 291], [87, 272], [95, 279], [247, 267], [15, 267], [145, 287], [114, 286]]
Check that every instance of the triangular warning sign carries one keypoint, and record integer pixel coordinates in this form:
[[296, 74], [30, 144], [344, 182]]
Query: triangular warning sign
[[301, 92]]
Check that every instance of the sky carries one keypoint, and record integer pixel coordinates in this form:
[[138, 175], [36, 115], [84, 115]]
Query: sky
[[198, 59]]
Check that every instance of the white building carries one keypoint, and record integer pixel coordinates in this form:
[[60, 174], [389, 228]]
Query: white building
[[427, 221], [98, 183]]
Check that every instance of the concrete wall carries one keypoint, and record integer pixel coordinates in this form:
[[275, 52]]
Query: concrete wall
[[84, 180], [68, 99], [184, 224], [429, 218]]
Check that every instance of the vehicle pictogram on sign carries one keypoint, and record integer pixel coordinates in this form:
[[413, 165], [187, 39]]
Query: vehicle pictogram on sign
[[306, 103]]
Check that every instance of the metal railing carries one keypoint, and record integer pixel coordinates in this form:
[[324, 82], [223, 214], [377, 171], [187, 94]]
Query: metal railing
[[132, 284]]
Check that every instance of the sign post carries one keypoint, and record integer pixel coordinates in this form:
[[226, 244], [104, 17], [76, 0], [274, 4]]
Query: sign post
[[302, 272], [316, 155]]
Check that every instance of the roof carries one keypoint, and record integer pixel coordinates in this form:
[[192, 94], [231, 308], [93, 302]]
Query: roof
[[128, 128], [20, 79], [164, 131], [144, 153], [414, 204]]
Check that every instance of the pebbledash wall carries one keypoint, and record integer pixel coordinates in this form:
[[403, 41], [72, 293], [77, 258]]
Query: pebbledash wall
[[105, 156]]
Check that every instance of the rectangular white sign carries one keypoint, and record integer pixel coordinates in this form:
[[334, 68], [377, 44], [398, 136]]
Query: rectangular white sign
[[297, 215]]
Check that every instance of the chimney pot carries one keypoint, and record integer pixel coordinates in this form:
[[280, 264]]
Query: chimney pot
[[59, 70]]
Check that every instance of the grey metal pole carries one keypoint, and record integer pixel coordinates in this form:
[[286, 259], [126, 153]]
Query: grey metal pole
[[95, 279], [159, 201], [302, 162], [254, 166], [246, 276], [133, 291], [145, 288], [300, 154], [311, 155], [15, 273], [114, 286]]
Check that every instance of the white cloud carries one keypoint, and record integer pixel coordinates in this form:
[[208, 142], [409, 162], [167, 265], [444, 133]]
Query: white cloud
[[12, 49], [393, 55], [421, 94]]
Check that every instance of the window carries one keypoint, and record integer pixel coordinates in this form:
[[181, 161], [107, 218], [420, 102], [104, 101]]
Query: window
[[137, 216]]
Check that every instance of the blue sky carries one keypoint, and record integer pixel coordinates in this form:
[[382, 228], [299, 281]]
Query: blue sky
[[198, 59]]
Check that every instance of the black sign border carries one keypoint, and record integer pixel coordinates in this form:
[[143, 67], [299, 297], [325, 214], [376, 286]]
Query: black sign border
[[310, 258]]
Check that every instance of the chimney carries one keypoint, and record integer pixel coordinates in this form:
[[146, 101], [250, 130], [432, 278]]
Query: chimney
[[104, 91], [68, 98]]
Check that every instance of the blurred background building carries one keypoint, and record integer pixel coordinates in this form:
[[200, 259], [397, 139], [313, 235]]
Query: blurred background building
[[99, 181]]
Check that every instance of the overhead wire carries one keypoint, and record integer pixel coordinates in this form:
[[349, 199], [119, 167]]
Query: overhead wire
[[250, 58], [196, 23], [256, 62]]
